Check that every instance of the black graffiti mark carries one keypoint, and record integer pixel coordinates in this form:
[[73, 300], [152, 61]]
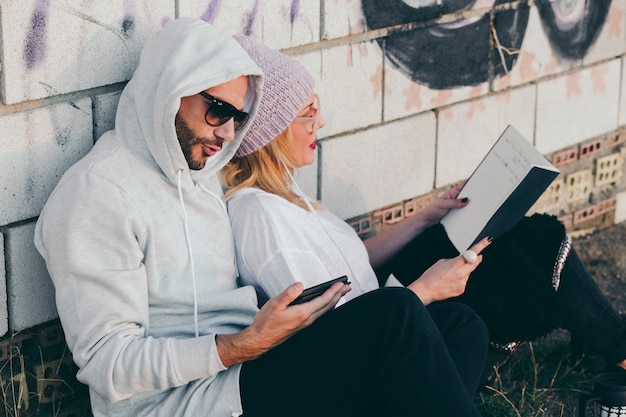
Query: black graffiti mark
[[572, 26], [450, 55], [128, 26]]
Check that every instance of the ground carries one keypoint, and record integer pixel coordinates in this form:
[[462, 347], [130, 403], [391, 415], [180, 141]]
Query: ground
[[604, 254]]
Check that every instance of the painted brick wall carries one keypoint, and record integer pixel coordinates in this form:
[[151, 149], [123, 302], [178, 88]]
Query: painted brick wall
[[412, 97]]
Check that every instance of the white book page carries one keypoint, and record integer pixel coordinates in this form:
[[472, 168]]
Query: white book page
[[497, 176]]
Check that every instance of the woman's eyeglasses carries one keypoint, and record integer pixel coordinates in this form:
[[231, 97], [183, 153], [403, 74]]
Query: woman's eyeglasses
[[313, 120], [219, 112]]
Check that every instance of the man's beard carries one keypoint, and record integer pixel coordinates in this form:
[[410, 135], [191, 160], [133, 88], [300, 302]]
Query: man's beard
[[187, 140]]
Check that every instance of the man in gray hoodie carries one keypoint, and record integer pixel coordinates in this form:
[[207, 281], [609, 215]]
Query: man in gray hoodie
[[139, 247]]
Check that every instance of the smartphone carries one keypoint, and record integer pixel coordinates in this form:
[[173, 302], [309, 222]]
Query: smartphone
[[310, 293]]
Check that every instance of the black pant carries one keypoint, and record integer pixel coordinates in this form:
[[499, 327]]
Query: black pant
[[512, 290], [588, 315], [381, 354]]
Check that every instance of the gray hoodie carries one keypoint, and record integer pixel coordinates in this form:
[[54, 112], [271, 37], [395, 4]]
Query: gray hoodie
[[140, 249]]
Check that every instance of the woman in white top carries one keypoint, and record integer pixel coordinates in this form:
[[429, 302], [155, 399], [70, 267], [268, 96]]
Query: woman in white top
[[529, 283]]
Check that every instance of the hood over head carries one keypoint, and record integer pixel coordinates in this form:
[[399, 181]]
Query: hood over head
[[187, 56]]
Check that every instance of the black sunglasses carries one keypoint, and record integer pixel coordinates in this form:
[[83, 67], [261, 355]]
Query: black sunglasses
[[219, 112]]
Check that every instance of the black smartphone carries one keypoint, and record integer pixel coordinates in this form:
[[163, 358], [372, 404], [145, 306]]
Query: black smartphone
[[310, 293]]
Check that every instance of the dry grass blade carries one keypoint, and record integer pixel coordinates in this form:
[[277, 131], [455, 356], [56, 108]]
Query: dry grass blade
[[501, 394]]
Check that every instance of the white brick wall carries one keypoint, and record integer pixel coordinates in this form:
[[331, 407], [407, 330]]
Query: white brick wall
[[268, 21], [351, 80], [404, 97], [36, 148], [30, 291], [611, 41], [387, 138], [342, 18], [577, 106], [104, 107], [468, 130], [536, 59], [52, 48], [379, 166]]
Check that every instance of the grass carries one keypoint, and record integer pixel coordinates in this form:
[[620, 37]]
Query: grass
[[37, 378], [542, 379]]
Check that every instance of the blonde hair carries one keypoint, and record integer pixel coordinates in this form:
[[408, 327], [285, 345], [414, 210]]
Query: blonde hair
[[265, 169]]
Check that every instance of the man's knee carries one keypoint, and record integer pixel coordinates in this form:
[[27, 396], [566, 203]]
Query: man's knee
[[400, 312], [460, 319]]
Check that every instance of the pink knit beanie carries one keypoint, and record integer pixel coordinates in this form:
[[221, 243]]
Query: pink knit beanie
[[286, 87]]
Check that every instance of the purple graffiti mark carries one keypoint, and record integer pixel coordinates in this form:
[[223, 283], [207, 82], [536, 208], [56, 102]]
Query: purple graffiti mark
[[295, 8], [211, 11], [251, 19], [34, 48]]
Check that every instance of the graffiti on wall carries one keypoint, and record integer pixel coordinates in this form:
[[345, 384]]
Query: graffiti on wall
[[462, 52], [573, 26], [34, 50], [35, 44], [214, 7]]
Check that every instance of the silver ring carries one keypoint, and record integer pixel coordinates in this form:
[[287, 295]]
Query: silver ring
[[470, 256]]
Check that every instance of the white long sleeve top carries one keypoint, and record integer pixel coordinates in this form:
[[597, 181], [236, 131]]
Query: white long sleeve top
[[278, 243]]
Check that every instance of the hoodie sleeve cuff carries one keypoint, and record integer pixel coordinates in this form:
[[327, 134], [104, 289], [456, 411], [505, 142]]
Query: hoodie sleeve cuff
[[198, 358]]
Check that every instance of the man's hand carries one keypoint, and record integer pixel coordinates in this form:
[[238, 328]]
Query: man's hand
[[276, 322]]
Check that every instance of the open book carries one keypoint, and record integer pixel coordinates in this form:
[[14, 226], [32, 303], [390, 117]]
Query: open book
[[504, 186]]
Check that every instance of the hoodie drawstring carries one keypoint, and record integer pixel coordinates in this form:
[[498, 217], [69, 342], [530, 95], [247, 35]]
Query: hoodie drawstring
[[188, 241], [225, 212]]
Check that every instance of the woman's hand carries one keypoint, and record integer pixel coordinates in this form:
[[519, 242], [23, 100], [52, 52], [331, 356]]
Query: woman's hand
[[434, 212], [386, 244], [276, 322], [447, 278]]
